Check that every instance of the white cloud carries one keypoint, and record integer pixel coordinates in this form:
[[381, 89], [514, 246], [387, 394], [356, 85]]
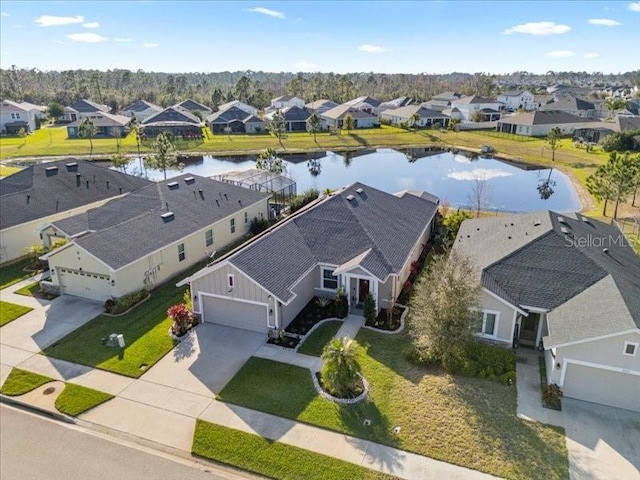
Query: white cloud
[[306, 65], [91, 25], [150, 45], [479, 174], [591, 55], [634, 6], [538, 28], [87, 37], [604, 22], [121, 40], [268, 12], [560, 54], [54, 21], [372, 48], [4, 14]]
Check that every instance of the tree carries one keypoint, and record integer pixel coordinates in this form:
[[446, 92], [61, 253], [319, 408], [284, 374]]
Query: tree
[[480, 195], [348, 123], [314, 166], [615, 180], [276, 126], [269, 161], [415, 118], [120, 161], [136, 128], [612, 104], [599, 184], [545, 186], [22, 133], [88, 130], [477, 116], [443, 313], [453, 123], [340, 372], [164, 156], [55, 111], [452, 223], [369, 309], [35, 251], [553, 141], [314, 124]]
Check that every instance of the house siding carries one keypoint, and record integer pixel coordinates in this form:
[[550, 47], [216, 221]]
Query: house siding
[[505, 318], [305, 290]]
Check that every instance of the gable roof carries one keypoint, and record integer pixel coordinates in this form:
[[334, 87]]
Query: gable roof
[[410, 110], [228, 115], [363, 99], [141, 106], [295, 114], [33, 106], [398, 102], [544, 117], [87, 106], [284, 98], [45, 189], [131, 227], [192, 106], [335, 231], [172, 115], [569, 103], [103, 119], [321, 103], [473, 99], [11, 105], [448, 96], [341, 111], [626, 124], [236, 103]]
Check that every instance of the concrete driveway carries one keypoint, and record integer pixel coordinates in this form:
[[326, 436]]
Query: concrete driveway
[[602, 442], [205, 361]]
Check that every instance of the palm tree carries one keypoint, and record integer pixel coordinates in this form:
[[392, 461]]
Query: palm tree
[[88, 130], [614, 104], [340, 372]]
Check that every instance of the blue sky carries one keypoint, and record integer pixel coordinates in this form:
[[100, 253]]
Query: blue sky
[[393, 37]]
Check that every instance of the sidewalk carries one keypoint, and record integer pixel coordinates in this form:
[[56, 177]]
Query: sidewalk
[[529, 395], [350, 327]]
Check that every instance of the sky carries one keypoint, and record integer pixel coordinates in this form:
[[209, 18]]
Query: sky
[[325, 36]]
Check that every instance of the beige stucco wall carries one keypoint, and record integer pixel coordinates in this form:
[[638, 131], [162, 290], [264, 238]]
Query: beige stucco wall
[[14, 240], [305, 291], [505, 316]]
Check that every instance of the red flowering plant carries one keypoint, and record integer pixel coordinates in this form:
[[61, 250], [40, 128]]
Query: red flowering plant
[[182, 319]]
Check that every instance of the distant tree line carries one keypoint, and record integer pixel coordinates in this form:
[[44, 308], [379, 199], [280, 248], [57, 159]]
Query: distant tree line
[[118, 87]]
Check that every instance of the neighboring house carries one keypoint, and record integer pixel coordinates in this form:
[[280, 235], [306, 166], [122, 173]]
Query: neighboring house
[[365, 104], [82, 109], [358, 238], [596, 131], [427, 117], [518, 99], [361, 119], [192, 106], [320, 106], [442, 101], [541, 122], [175, 120], [286, 101], [489, 109], [238, 104], [568, 284], [542, 99], [39, 111], [14, 117], [140, 109], [150, 235], [574, 106], [107, 125], [396, 103], [45, 192], [448, 97], [235, 120], [295, 118]]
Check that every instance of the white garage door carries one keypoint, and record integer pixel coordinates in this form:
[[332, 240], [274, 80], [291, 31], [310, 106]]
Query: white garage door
[[234, 313], [602, 386], [84, 284]]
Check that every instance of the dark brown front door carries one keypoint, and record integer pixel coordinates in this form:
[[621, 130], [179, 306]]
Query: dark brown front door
[[363, 289], [529, 328]]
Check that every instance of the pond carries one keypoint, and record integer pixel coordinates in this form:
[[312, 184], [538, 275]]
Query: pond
[[455, 178]]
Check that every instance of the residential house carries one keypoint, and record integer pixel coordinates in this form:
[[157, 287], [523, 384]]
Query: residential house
[[442, 101], [176, 120], [235, 120], [295, 118], [320, 106], [406, 115], [485, 109], [82, 109], [150, 235], [359, 238], [518, 100], [39, 111], [14, 117], [107, 125], [334, 117], [140, 110], [396, 103], [46, 192], [541, 122], [594, 132], [198, 109], [286, 101], [365, 104], [568, 284], [574, 106], [238, 104]]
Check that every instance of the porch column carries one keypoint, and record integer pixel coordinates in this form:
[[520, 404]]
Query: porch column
[[276, 307]]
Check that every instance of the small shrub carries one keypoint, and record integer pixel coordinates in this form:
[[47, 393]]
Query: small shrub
[[419, 356], [109, 304], [126, 302], [369, 308], [323, 302], [552, 396], [301, 200], [342, 304], [188, 300], [182, 319], [258, 225], [508, 378]]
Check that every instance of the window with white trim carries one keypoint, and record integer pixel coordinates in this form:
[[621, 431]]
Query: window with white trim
[[486, 323], [232, 225], [181, 253], [329, 281], [208, 237], [230, 280], [630, 349]]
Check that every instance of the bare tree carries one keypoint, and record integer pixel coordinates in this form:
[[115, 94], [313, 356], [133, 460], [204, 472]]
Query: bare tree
[[481, 194]]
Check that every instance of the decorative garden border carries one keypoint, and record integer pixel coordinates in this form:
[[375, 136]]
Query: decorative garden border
[[397, 330], [343, 401], [312, 329], [127, 311]]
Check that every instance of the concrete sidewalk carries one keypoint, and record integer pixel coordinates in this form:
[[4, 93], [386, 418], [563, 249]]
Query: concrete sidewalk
[[289, 356], [529, 395], [350, 326]]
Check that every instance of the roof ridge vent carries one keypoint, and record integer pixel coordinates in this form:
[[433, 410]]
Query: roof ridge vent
[[167, 216], [173, 184], [189, 180], [562, 220]]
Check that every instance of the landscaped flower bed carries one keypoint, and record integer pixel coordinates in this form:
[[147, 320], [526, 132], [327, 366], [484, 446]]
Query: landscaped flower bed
[[383, 322], [286, 341], [314, 311]]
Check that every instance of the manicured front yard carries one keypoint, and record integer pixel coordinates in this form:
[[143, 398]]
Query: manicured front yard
[[14, 273], [272, 459], [10, 311], [314, 343], [33, 290], [465, 421]]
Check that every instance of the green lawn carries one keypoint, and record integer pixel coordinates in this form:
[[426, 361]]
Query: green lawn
[[20, 382], [10, 311], [5, 171], [33, 290], [314, 343], [272, 459], [465, 421], [76, 399], [14, 273]]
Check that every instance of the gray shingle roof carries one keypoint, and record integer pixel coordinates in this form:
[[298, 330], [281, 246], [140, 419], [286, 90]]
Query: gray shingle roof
[[193, 106], [410, 110], [364, 99], [569, 103], [172, 115], [473, 99], [321, 103], [295, 114], [87, 106], [103, 119], [141, 106], [335, 231], [36, 192], [341, 111], [544, 117], [129, 228], [229, 115]]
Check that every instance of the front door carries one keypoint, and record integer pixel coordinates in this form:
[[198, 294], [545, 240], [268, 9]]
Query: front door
[[363, 289], [529, 328]]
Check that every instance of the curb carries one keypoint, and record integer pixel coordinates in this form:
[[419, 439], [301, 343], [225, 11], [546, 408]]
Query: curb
[[57, 415]]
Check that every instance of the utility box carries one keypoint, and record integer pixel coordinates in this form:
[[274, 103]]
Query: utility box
[[120, 339]]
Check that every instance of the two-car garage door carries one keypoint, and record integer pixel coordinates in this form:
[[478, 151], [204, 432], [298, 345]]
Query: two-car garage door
[[84, 284], [235, 313], [602, 386]]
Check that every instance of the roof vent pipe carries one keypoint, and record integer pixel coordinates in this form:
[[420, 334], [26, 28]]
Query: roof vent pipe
[[120, 190], [87, 183], [605, 251], [28, 198], [107, 184]]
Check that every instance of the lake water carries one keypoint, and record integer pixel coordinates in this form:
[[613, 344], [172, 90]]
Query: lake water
[[450, 176]]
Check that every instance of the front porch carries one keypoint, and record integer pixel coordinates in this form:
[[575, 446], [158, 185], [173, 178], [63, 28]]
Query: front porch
[[529, 329]]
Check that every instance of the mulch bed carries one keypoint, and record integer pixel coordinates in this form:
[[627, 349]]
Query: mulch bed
[[286, 341], [310, 315], [350, 395], [382, 321]]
